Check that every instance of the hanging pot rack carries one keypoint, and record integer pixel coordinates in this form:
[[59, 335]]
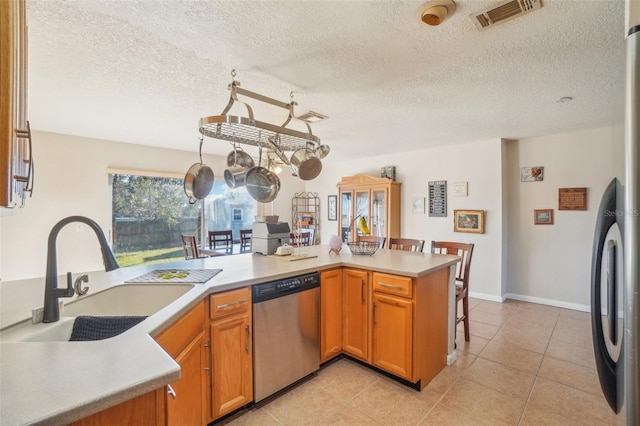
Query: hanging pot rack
[[247, 130]]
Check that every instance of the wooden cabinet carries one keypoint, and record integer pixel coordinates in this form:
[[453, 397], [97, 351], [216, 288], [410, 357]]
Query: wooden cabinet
[[330, 314], [375, 199], [392, 334], [355, 313], [144, 410], [396, 323], [16, 165], [232, 351], [183, 402], [187, 342]]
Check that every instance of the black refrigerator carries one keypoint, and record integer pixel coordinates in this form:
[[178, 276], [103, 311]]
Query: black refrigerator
[[616, 256]]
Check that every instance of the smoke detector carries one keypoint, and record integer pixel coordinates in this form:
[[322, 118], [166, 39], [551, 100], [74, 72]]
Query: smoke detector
[[435, 12], [503, 12]]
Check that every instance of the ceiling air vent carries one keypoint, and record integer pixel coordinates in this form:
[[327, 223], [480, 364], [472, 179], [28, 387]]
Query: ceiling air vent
[[312, 117], [503, 12]]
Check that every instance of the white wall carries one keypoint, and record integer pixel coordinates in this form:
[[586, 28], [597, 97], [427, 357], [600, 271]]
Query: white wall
[[71, 179], [551, 263], [514, 258], [478, 163]]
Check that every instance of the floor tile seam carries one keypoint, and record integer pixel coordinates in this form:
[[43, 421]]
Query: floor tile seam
[[330, 391], [431, 409], [513, 366], [597, 392], [502, 392], [582, 345], [561, 414], [577, 362], [520, 346]]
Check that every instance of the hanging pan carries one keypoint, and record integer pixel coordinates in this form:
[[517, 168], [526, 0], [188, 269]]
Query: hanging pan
[[262, 184], [198, 181], [238, 163]]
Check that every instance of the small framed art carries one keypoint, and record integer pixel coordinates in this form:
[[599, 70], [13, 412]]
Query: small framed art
[[417, 205], [532, 174], [543, 217], [468, 221], [332, 207]]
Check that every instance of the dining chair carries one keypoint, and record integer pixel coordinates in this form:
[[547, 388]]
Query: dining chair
[[221, 239], [379, 240], [190, 247], [406, 244], [245, 239], [465, 251], [301, 239]]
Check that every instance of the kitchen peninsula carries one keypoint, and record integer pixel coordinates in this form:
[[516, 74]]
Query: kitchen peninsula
[[61, 382]]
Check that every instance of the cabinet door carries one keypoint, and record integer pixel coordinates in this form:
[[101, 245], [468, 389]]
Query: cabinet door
[[345, 215], [330, 314], [355, 299], [378, 223], [185, 402], [392, 334], [231, 352], [362, 208]]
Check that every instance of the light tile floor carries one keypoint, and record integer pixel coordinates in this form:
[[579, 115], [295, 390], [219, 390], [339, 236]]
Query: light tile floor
[[526, 364]]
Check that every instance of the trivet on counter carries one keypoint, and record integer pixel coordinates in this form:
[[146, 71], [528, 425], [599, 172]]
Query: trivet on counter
[[176, 276]]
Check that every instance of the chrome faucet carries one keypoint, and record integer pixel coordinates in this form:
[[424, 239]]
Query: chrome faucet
[[51, 291]]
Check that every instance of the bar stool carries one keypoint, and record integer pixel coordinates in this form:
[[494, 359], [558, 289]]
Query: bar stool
[[465, 251]]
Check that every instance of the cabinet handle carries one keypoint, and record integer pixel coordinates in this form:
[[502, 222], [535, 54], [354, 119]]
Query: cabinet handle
[[171, 392], [208, 346], [362, 290], [399, 287], [29, 179], [374, 313], [227, 305], [246, 343]]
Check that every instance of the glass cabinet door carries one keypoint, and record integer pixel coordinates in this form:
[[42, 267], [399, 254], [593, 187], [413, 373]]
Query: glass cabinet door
[[346, 215], [362, 209], [378, 224]]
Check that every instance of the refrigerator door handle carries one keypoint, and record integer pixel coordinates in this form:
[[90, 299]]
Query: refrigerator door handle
[[612, 293], [606, 366]]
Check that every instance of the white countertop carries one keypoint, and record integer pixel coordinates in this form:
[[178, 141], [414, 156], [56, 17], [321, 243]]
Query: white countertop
[[59, 382]]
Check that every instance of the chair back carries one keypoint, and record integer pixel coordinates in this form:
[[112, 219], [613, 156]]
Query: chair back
[[190, 247], [301, 239], [379, 240], [464, 250], [406, 244], [245, 238], [220, 239]]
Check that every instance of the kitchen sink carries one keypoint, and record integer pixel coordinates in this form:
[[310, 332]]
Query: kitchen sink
[[120, 300], [127, 299]]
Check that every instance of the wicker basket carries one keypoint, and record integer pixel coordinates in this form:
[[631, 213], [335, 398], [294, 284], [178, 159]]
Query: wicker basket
[[363, 247]]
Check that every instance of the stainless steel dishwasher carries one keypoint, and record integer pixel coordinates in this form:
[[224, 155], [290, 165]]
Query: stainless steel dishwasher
[[286, 332]]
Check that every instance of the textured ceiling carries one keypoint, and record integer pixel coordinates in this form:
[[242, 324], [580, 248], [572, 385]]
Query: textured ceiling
[[145, 71]]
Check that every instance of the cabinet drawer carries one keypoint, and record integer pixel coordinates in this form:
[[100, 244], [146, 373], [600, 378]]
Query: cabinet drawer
[[230, 302], [393, 284], [176, 338]]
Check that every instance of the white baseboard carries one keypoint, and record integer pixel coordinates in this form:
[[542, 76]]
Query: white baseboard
[[484, 296], [550, 302], [452, 357]]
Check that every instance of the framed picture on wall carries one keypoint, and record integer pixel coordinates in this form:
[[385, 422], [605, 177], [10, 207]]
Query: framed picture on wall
[[468, 221], [543, 217], [332, 207], [532, 174]]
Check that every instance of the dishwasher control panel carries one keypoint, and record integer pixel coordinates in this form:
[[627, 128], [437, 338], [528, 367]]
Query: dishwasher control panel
[[279, 288]]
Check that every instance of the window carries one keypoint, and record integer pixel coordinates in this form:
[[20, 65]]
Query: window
[[227, 208], [150, 213]]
